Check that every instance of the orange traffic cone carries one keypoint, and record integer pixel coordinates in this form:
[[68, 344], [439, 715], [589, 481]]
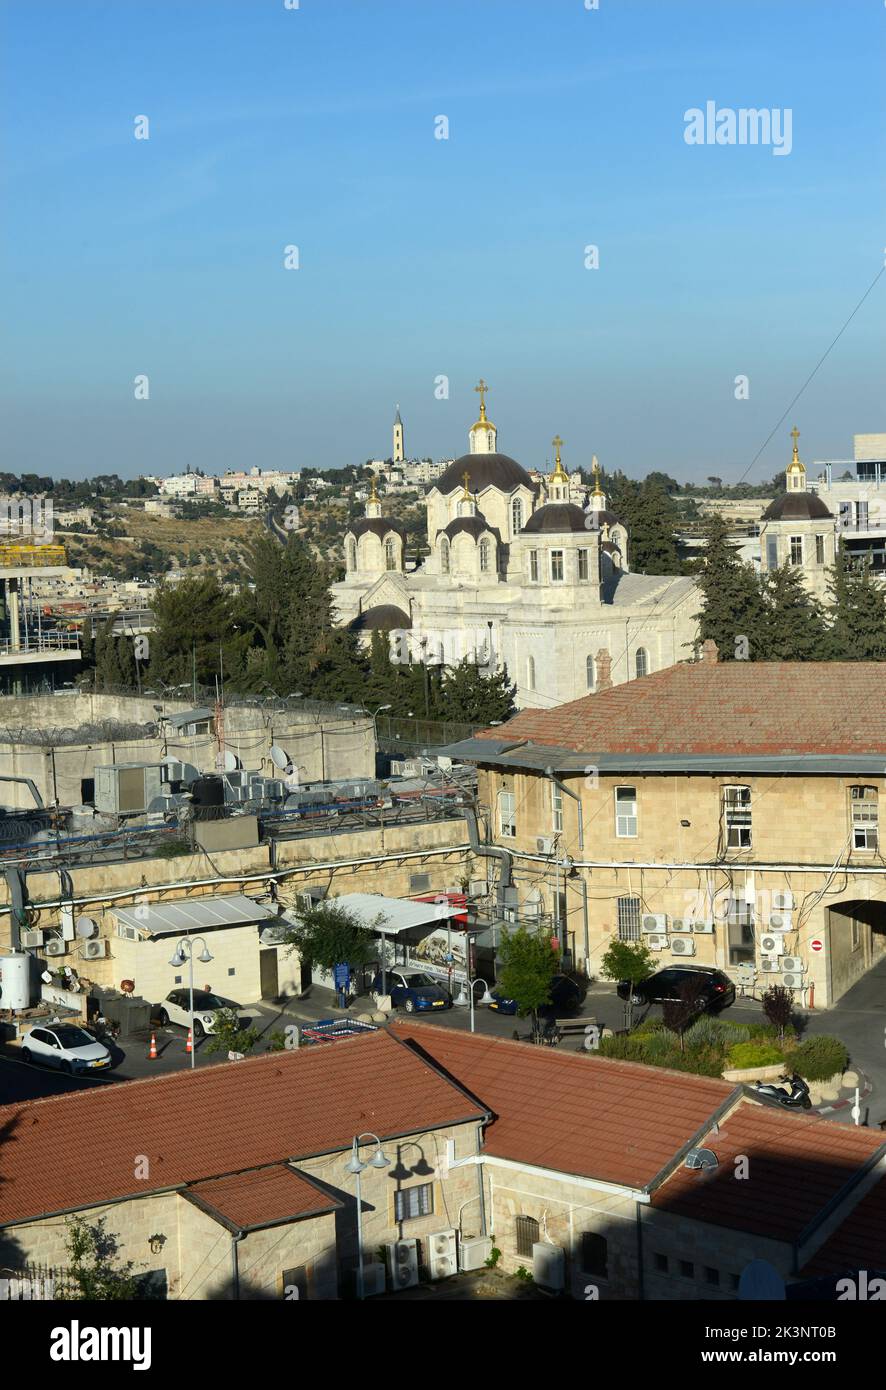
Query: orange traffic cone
[[189, 1045], [152, 1050]]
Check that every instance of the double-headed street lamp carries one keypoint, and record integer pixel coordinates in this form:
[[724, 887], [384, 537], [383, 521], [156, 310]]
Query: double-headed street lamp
[[356, 1166], [184, 951], [463, 999]]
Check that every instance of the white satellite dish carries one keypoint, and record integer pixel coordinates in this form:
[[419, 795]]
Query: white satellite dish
[[86, 926], [232, 762], [280, 758], [46, 977]]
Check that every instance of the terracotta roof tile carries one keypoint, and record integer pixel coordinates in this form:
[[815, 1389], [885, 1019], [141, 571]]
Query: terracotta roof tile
[[760, 707], [796, 1165], [261, 1197], [79, 1149], [614, 1121], [859, 1243]]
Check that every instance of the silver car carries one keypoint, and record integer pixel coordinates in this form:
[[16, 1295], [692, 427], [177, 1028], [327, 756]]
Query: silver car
[[66, 1046]]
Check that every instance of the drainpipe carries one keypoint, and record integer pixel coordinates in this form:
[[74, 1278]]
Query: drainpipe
[[562, 787], [480, 1171], [235, 1263], [504, 856], [641, 1291]]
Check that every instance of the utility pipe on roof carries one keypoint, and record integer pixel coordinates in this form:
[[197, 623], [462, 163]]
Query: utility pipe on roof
[[706, 864]]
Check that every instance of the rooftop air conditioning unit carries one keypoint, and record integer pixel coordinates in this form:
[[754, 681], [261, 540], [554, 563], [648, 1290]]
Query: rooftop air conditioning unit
[[478, 888], [680, 924], [55, 946], [770, 965], [32, 938], [173, 770], [549, 1265], [442, 1255], [791, 965], [780, 921], [402, 1258], [772, 945], [94, 950], [544, 844], [682, 946], [793, 981], [783, 901], [703, 927], [373, 1279], [656, 942], [474, 1252], [654, 921], [309, 899]]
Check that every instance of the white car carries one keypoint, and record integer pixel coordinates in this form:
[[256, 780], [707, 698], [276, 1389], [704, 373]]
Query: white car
[[66, 1046], [176, 1008]]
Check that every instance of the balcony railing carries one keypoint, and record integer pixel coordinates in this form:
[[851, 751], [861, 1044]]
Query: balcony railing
[[47, 642]]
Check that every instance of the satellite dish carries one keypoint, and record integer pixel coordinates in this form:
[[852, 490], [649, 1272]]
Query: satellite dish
[[46, 977], [86, 926], [232, 762], [280, 758], [761, 1282]]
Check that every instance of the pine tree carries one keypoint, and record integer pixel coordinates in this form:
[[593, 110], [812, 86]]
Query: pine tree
[[651, 517], [192, 629], [733, 613], [856, 612], [470, 696], [794, 627]]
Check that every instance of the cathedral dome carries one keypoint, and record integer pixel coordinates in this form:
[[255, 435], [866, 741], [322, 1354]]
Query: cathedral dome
[[797, 506], [557, 516], [384, 617], [379, 525], [475, 526], [484, 470]]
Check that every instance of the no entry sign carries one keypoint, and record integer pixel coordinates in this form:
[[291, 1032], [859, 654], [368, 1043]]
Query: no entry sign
[[816, 944]]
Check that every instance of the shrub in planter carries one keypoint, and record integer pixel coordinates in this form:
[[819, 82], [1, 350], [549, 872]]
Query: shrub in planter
[[714, 1032], [820, 1058], [753, 1054]]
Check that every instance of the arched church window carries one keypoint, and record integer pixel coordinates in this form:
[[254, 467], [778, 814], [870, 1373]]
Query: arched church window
[[641, 661], [484, 556], [530, 672], [516, 516], [390, 555], [352, 555], [444, 556], [590, 673]]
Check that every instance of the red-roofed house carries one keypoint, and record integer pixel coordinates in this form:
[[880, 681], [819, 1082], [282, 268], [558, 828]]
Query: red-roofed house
[[728, 812]]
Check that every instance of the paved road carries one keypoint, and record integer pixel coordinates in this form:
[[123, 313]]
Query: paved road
[[859, 1018]]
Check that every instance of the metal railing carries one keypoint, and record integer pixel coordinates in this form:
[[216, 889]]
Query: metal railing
[[35, 640]]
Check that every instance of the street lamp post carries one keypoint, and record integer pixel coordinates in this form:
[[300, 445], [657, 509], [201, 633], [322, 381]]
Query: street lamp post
[[184, 951], [462, 1000], [356, 1166]]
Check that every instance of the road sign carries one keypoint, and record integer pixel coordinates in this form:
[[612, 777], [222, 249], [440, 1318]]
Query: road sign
[[816, 944]]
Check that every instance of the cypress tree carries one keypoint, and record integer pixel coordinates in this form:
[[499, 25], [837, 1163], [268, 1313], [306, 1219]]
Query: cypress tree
[[856, 611], [794, 627], [733, 604]]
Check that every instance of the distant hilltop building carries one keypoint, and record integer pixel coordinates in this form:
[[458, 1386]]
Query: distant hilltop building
[[518, 574]]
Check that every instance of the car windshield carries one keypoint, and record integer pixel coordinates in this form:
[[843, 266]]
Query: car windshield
[[73, 1037], [419, 981], [210, 1001]]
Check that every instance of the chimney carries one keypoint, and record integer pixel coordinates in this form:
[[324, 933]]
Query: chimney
[[604, 670], [709, 652]]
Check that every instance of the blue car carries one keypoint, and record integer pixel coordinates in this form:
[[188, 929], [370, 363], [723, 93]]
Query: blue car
[[566, 995], [413, 992]]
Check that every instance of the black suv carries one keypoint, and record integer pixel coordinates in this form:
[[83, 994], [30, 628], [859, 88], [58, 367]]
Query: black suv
[[715, 990]]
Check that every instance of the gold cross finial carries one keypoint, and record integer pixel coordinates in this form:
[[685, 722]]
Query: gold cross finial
[[373, 494], [482, 388], [795, 435], [595, 468], [558, 444], [466, 478]]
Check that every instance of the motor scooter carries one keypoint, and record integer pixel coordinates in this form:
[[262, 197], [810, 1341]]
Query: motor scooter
[[795, 1098]]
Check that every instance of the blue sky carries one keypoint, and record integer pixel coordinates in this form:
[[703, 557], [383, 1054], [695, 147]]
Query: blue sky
[[422, 257]]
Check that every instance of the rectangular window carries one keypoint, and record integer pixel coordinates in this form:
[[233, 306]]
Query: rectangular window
[[796, 550], [737, 817], [583, 570], [661, 1264], [594, 1254], [507, 815], [819, 550], [712, 1276], [740, 932], [687, 1269], [625, 812], [526, 1234], [865, 817], [295, 1283], [533, 566], [556, 808], [557, 566], [412, 1202], [629, 919], [771, 552]]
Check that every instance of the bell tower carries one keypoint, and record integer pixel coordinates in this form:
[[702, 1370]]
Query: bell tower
[[399, 453], [558, 484], [795, 474]]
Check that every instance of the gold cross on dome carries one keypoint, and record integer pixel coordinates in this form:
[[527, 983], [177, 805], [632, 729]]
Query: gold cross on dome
[[558, 444], [482, 388], [466, 478], [795, 435]]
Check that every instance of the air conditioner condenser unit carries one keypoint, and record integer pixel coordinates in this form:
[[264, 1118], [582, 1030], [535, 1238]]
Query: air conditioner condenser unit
[[682, 946], [442, 1255], [654, 921]]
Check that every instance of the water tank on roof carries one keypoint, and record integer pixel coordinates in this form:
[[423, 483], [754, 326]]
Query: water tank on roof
[[15, 981]]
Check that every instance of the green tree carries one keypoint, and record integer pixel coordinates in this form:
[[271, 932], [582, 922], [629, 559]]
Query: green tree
[[472, 696], [114, 658], [91, 1269], [228, 1035], [733, 604], [626, 960], [330, 935], [192, 629], [856, 611], [527, 966], [793, 626], [651, 517]]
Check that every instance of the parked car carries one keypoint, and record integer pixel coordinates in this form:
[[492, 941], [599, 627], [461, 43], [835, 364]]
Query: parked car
[[413, 992], [66, 1046], [176, 1008], [715, 989], [566, 996]]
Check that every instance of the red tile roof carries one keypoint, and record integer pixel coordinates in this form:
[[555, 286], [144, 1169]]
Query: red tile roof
[[859, 1243], [760, 707], [82, 1149], [617, 1122], [261, 1197], [796, 1165]]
